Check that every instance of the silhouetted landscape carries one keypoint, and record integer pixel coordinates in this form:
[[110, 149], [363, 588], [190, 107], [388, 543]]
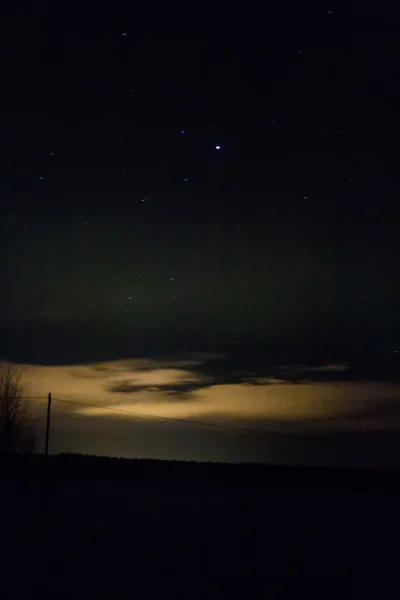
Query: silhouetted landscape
[[91, 527]]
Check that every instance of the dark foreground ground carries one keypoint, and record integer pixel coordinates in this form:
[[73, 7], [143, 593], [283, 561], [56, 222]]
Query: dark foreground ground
[[81, 527]]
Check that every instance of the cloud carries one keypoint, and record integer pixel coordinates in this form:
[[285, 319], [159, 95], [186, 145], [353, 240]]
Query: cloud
[[377, 414], [301, 374], [157, 387], [286, 408], [332, 368], [170, 381], [179, 407], [173, 376], [264, 380]]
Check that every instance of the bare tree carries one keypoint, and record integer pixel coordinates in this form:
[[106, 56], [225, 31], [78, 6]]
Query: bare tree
[[17, 431]]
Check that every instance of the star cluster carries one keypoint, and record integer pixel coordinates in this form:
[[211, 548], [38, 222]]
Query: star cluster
[[219, 187]]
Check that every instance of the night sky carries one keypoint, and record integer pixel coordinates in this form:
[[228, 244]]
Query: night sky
[[231, 187]]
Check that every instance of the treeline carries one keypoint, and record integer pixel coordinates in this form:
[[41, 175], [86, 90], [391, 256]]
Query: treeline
[[78, 467]]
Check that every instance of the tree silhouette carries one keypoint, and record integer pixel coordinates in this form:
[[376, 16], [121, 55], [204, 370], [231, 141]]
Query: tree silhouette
[[17, 430]]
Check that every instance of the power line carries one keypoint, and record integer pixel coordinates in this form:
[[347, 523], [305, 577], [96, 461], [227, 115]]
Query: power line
[[185, 421]]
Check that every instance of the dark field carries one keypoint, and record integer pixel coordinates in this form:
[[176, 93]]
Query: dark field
[[81, 527]]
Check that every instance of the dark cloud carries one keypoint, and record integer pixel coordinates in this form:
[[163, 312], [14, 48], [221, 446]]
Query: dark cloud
[[381, 411], [334, 372], [180, 390], [211, 370]]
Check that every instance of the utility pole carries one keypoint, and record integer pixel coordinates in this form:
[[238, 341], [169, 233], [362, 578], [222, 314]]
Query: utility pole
[[48, 425]]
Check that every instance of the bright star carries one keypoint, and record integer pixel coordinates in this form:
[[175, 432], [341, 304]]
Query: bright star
[[218, 147]]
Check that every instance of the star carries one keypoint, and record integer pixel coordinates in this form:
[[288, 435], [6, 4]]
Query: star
[[218, 147], [129, 297], [41, 177], [171, 278], [144, 199], [51, 153], [185, 179], [182, 131]]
